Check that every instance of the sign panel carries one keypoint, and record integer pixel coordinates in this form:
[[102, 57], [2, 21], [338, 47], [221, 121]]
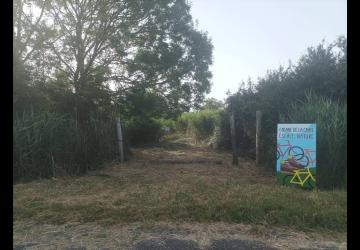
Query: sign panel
[[296, 155]]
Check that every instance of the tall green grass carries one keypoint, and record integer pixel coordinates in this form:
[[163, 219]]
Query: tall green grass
[[331, 121], [49, 144]]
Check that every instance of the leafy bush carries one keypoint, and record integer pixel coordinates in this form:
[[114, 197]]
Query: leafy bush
[[321, 70], [170, 123], [200, 124], [331, 121], [182, 122], [221, 136], [142, 130]]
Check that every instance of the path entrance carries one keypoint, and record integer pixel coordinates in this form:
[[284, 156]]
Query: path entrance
[[175, 195]]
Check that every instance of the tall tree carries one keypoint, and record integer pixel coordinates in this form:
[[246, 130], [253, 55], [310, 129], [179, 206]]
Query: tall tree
[[152, 44], [29, 29], [30, 66], [171, 57]]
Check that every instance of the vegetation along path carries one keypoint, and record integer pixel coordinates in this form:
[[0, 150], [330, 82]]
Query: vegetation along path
[[176, 196]]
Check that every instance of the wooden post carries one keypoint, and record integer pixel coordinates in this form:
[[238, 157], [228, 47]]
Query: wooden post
[[120, 139], [53, 164], [233, 139], [258, 137]]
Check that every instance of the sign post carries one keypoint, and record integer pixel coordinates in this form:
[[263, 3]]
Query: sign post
[[296, 155]]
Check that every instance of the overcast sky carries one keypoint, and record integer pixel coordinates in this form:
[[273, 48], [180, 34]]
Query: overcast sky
[[253, 36]]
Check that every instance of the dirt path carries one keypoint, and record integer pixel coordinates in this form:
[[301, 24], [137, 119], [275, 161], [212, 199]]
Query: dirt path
[[176, 164]]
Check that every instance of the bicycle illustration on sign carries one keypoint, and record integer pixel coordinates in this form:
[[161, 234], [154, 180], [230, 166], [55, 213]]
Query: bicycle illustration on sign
[[295, 151], [296, 164], [309, 158]]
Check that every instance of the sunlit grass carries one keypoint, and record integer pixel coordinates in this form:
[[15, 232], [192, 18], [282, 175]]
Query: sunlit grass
[[180, 193]]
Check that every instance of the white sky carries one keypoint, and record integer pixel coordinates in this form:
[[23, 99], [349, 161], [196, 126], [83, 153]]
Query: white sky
[[253, 36]]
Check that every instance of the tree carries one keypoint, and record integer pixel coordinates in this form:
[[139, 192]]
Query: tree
[[148, 44], [26, 42], [172, 58], [322, 70], [29, 28], [212, 104]]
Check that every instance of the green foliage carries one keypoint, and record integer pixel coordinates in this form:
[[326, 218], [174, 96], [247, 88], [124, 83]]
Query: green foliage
[[142, 130], [200, 124], [321, 70], [143, 115], [143, 103], [331, 122], [173, 56], [167, 123], [151, 45], [204, 124], [68, 53], [221, 137], [212, 104], [48, 144]]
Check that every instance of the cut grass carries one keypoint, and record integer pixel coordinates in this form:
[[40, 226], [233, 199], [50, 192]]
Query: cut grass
[[141, 192]]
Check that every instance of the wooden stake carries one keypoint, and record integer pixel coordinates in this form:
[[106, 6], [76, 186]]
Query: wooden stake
[[233, 139], [120, 139], [258, 137]]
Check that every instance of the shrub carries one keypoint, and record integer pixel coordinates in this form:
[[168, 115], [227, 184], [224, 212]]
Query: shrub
[[182, 122], [142, 130], [331, 121], [323, 69], [170, 123], [201, 124]]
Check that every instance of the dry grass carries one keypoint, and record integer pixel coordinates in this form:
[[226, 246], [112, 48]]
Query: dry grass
[[124, 236], [140, 191]]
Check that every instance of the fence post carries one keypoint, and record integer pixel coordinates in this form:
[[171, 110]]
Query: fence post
[[120, 139], [233, 139], [258, 137]]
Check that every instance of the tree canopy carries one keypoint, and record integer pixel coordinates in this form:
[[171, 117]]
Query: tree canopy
[[99, 53]]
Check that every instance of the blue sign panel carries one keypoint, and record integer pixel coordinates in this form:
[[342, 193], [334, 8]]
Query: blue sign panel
[[296, 154]]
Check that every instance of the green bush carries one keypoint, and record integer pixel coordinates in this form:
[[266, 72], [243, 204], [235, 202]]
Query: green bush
[[48, 144], [331, 121], [243, 105], [200, 124], [182, 122], [142, 130], [170, 123], [221, 135], [323, 69]]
